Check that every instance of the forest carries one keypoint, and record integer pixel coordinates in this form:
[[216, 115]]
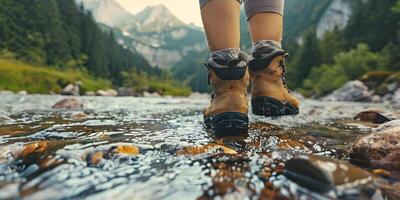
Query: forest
[[64, 36]]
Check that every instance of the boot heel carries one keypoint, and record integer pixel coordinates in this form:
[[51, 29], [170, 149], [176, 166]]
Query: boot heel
[[270, 107], [230, 123]]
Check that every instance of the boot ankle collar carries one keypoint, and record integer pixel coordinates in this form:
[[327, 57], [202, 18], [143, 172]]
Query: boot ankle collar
[[263, 61]]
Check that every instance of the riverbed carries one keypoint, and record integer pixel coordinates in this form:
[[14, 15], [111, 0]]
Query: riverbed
[[158, 148]]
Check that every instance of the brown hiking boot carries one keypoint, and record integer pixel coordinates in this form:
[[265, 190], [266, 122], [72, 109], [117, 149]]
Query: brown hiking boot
[[227, 113], [270, 95]]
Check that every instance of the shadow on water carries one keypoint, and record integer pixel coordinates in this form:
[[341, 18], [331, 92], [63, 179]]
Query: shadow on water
[[124, 148]]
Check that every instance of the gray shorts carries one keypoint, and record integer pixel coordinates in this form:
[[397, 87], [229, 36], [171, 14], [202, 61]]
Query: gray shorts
[[253, 7]]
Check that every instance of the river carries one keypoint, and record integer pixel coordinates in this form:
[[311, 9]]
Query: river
[[157, 148]]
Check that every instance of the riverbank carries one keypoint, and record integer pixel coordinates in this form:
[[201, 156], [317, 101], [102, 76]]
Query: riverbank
[[20, 77]]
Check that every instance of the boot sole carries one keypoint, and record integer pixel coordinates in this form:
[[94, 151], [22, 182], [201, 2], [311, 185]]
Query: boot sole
[[270, 107], [228, 124]]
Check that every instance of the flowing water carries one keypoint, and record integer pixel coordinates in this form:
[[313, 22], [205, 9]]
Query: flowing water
[[158, 148]]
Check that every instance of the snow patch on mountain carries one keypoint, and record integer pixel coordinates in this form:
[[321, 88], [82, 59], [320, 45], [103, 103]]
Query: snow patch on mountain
[[336, 16]]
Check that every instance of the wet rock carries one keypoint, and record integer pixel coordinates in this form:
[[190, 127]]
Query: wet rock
[[195, 150], [127, 150], [79, 116], [376, 99], [373, 115], [22, 92], [96, 157], [396, 97], [4, 118], [264, 127], [6, 92], [154, 94], [323, 174], [71, 104], [90, 93], [107, 93], [35, 147], [126, 92], [9, 191], [388, 125], [71, 89], [351, 91], [381, 149], [392, 86], [291, 144]]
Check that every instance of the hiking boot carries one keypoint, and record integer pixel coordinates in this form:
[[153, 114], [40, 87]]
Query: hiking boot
[[227, 113], [270, 95]]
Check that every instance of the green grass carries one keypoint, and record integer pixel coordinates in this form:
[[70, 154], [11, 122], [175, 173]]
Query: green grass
[[168, 88], [17, 76]]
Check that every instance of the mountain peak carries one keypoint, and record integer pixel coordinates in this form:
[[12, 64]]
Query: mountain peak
[[108, 12], [159, 7], [157, 18]]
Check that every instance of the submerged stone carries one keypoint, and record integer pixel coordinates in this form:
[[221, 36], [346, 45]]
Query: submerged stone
[[195, 150], [128, 150], [79, 116], [323, 174], [35, 147], [95, 158], [72, 104]]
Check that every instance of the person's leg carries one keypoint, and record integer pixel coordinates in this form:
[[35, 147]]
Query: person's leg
[[265, 18], [221, 20], [227, 66], [270, 95]]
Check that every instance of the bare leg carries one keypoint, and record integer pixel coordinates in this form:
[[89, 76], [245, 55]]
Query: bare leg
[[270, 95], [221, 20], [227, 67], [266, 26]]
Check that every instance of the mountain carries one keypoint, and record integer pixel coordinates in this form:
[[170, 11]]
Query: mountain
[[162, 38], [106, 11], [155, 32], [58, 33], [153, 19]]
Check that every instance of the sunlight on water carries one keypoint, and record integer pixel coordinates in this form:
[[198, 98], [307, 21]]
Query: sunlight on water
[[157, 148]]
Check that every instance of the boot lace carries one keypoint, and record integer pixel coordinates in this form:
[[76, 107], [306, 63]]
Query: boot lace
[[282, 65]]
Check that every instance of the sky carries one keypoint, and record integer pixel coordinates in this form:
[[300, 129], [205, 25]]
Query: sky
[[186, 10]]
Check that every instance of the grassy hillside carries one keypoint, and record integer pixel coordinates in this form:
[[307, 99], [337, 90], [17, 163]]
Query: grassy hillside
[[16, 76]]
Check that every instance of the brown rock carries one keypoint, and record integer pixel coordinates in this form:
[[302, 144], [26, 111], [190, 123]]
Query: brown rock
[[374, 116], [71, 103], [36, 147], [323, 174], [79, 116], [96, 157], [378, 149], [194, 150], [291, 144], [128, 150]]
